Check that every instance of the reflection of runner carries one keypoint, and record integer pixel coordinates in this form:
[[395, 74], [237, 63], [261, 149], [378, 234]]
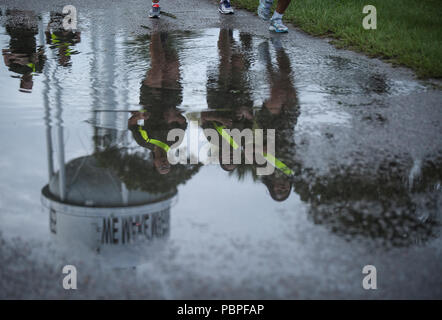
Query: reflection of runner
[[160, 95], [23, 56], [61, 39], [276, 24], [228, 92], [280, 112]]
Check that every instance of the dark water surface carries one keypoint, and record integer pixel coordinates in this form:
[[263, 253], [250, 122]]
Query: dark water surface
[[360, 141]]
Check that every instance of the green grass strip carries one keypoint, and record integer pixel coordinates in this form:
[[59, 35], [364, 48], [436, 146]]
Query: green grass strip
[[409, 32]]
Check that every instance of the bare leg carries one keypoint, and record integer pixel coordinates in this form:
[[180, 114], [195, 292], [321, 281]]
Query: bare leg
[[282, 6]]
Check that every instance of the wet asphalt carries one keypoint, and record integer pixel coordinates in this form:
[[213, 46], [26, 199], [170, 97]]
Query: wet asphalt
[[368, 165]]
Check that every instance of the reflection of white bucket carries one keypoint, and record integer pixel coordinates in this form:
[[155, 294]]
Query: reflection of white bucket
[[123, 236]]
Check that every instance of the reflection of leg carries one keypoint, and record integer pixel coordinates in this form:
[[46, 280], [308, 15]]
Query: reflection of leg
[[275, 101], [154, 76], [225, 53], [264, 54], [282, 79], [172, 67], [164, 71], [246, 47], [276, 42], [246, 41], [26, 82], [283, 60]]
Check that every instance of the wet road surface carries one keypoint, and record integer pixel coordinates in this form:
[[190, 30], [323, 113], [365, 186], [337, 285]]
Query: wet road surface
[[85, 179]]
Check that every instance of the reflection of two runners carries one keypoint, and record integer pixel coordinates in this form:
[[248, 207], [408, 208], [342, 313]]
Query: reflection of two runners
[[228, 83], [264, 11], [161, 93]]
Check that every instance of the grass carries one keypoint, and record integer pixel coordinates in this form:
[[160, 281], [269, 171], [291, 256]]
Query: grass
[[409, 32]]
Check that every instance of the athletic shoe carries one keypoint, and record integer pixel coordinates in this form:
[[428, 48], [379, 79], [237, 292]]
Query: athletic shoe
[[225, 7], [155, 11], [276, 25], [264, 9]]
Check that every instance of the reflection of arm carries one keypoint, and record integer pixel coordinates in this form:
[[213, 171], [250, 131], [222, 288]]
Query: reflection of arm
[[133, 120], [6, 57], [244, 113], [48, 32], [77, 37], [137, 136], [18, 58]]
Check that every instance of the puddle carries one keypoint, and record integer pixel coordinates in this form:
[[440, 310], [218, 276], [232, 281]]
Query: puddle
[[84, 123]]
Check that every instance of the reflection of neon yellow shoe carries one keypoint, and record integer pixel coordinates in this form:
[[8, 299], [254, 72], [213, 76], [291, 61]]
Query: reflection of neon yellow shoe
[[155, 11], [276, 25]]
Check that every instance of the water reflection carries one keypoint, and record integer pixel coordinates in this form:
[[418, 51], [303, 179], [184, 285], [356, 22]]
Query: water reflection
[[23, 56], [231, 106], [123, 190], [386, 206], [229, 97], [118, 177], [61, 40], [119, 198], [280, 111], [100, 202], [160, 95]]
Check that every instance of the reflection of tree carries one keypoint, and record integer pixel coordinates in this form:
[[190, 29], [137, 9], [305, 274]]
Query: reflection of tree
[[137, 172], [382, 206]]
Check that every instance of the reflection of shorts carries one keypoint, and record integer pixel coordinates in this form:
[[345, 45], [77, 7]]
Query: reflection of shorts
[[160, 98], [228, 95]]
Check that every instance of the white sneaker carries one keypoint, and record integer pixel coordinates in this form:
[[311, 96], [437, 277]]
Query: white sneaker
[[155, 11], [276, 25], [225, 7]]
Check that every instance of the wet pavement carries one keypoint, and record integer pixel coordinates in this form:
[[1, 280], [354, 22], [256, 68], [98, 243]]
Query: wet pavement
[[358, 180]]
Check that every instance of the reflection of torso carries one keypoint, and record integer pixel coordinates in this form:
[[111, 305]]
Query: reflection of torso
[[232, 92], [160, 98], [22, 55], [284, 125], [224, 132]]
